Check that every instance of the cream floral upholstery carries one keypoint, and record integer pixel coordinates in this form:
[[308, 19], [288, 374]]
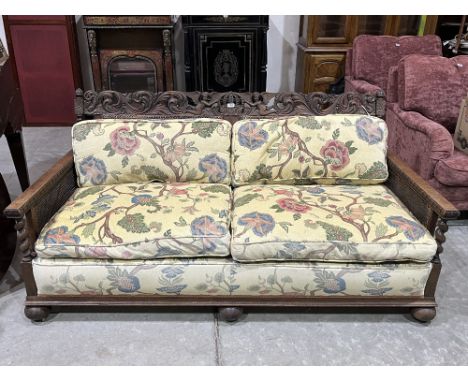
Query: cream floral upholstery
[[223, 277], [122, 151], [306, 150], [309, 216], [140, 221], [325, 223]]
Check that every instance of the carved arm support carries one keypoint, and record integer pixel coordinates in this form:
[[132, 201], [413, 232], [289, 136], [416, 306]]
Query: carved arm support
[[34, 207], [426, 203]]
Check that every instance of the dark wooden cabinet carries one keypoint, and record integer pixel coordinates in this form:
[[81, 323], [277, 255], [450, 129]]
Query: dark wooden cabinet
[[131, 53], [44, 55], [225, 53], [324, 40]]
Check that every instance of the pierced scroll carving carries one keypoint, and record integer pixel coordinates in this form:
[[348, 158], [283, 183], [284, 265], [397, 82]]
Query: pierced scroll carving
[[112, 104]]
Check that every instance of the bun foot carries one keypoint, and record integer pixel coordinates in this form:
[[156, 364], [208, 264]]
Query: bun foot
[[423, 314], [37, 313], [229, 314]]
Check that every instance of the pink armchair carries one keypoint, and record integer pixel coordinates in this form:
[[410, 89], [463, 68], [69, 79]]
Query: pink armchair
[[423, 103], [368, 62]]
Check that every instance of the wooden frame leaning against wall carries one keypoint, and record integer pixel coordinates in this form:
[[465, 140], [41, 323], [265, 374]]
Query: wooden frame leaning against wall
[[35, 207]]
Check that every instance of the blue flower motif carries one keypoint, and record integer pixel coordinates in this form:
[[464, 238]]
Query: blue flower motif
[[167, 252], [176, 289], [334, 285], [93, 169], [142, 199], [127, 283], [206, 226], [295, 246], [315, 190], [369, 130], [412, 230], [378, 276], [60, 235], [172, 272], [214, 167], [260, 224], [251, 136]]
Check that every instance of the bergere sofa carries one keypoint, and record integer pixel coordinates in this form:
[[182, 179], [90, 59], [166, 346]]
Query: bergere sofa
[[230, 200]]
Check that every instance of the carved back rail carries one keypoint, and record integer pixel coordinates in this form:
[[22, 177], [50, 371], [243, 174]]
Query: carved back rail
[[230, 106]]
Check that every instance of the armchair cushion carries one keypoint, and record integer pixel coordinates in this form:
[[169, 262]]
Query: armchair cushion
[[140, 221], [324, 149], [179, 150], [453, 171], [325, 223]]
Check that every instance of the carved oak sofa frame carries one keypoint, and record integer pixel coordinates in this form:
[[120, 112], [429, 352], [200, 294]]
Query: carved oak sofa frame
[[37, 204]]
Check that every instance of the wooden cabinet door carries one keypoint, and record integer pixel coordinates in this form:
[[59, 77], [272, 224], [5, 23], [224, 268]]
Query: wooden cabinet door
[[330, 29], [44, 52], [321, 70]]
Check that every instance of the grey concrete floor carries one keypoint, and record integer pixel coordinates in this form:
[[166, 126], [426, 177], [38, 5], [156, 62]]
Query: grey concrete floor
[[172, 337]]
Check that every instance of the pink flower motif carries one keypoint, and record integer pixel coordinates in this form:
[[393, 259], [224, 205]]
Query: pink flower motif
[[177, 191], [96, 252], [336, 153], [123, 141], [175, 152], [284, 192], [288, 145], [291, 205]]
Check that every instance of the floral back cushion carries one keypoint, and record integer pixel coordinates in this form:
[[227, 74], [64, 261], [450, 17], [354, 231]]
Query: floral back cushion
[[314, 149], [113, 151]]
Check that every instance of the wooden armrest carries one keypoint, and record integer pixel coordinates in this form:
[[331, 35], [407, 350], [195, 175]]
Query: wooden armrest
[[41, 188], [413, 189]]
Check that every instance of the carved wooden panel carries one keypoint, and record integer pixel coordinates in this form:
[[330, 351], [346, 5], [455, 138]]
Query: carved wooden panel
[[231, 106], [324, 69]]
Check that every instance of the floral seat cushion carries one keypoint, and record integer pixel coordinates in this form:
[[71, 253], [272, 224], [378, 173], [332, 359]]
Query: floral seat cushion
[[140, 221], [342, 223], [181, 150], [225, 277], [305, 150]]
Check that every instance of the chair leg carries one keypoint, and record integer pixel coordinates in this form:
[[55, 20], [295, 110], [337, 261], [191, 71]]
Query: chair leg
[[423, 314], [229, 314], [37, 313], [15, 142]]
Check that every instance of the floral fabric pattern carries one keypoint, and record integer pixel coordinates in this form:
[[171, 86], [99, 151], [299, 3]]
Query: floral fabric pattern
[[169, 151], [306, 150], [140, 221], [224, 277], [342, 223]]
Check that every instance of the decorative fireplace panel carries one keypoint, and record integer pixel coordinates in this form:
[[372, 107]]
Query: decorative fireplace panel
[[132, 70]]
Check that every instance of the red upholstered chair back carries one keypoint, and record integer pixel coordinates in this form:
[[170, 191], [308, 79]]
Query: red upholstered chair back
[[373, 56], [433, 86]]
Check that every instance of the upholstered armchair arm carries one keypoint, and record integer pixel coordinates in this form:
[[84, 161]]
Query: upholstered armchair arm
[[441, 142], [35, 206], [361, 86], [426, 203]]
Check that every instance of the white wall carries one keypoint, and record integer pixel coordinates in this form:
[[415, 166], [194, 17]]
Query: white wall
[[283, 36], [2, 33]]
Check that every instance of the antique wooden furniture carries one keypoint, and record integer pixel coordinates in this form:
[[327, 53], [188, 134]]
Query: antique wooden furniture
[[130, 53], [225, 53], [324, 40], [44, 56], [11, 119], [34, 208]]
